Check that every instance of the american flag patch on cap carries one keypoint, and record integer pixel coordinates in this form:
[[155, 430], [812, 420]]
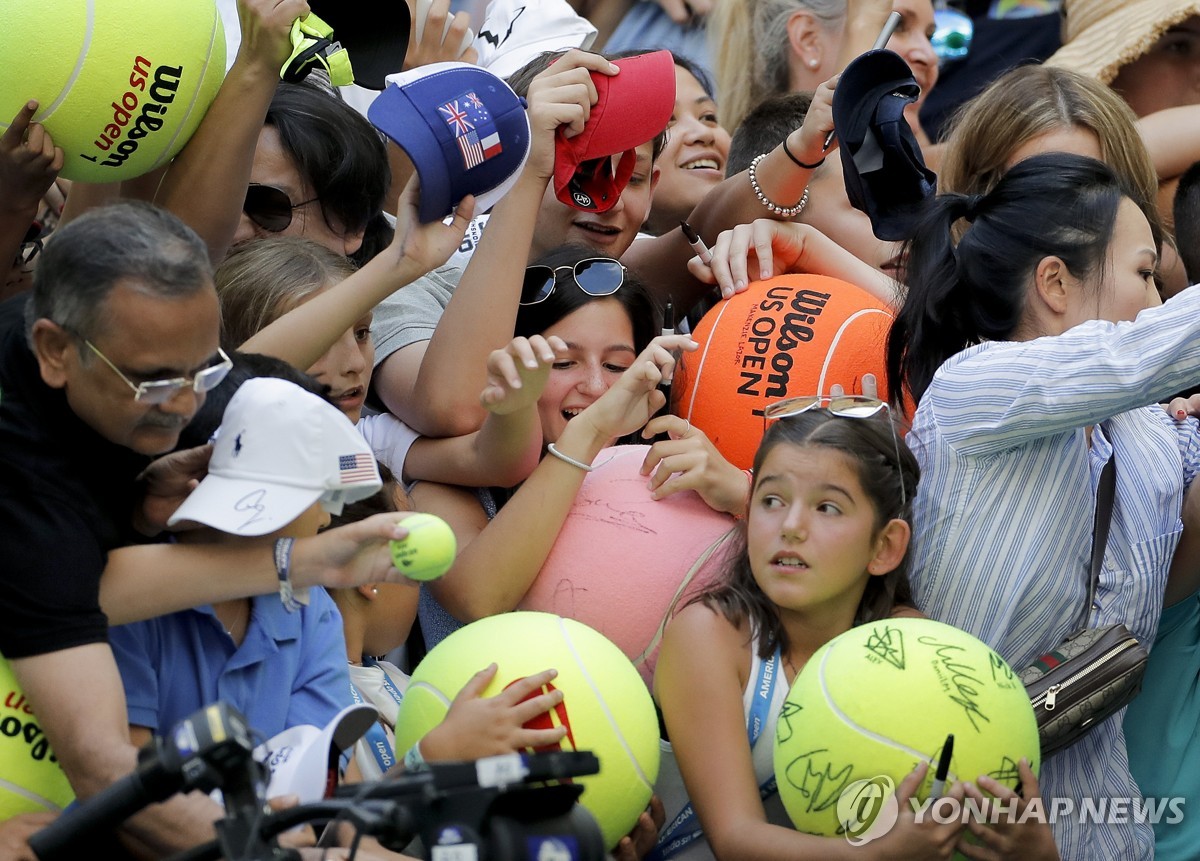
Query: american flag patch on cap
[[354, 468]]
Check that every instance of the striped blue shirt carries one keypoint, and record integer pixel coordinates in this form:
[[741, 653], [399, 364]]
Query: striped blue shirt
[[1004, 511]]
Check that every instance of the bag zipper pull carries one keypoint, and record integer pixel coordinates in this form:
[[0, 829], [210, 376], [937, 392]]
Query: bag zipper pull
[[1051, 695]]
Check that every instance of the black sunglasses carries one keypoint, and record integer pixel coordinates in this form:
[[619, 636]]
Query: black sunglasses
[[270, 207], [596, 276]]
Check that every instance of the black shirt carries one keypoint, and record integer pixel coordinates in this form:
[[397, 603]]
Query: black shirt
[[66, 499]]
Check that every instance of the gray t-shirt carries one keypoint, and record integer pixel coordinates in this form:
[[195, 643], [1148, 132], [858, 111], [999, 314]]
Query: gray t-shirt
[[410, 314]]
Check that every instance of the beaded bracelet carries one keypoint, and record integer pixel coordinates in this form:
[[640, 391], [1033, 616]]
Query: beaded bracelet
[[785, 211]]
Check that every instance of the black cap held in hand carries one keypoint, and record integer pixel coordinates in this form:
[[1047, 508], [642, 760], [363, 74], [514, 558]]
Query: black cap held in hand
[[885, 174], [375, 35]]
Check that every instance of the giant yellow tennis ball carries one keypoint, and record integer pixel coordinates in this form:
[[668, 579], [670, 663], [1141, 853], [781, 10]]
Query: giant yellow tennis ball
[[120, 84], [606, 707], [874, 702], [428, 551], [30, 778]]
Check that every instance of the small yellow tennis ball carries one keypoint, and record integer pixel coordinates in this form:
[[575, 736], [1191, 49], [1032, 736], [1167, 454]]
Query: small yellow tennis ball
[[428, 551], [874, 702], [606, 707], [120, 85], [30, 777]]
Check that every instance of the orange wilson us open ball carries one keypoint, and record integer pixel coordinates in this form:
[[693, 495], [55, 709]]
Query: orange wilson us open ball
[[428, 551]]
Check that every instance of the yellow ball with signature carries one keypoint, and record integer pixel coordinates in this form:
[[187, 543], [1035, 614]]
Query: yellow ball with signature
[[874, 702]]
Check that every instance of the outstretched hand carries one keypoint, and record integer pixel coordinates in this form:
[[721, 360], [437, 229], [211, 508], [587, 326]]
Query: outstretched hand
[[29, 162], [427, 246], [562, 95], [166, 484], [688, 460], [752, 252], [1014, 836], [266, 27], [476, 726], [517, 374]]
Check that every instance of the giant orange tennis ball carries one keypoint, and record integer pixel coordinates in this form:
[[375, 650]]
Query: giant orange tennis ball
[[623, 561], [790, 336], [30, 777], [605, 708], [120, 84]]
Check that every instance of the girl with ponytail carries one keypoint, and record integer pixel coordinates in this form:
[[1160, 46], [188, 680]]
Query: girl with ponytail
[[1036, 349]]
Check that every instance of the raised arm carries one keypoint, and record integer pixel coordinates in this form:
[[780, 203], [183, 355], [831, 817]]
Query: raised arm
[[483, 310], [207, 181], [29, 162], [304, 334]]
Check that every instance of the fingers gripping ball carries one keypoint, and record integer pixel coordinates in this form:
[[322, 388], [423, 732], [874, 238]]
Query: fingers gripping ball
[[789, 336], [428, 551], [121, 84], [606, 707], [874, 702], [30, 777]]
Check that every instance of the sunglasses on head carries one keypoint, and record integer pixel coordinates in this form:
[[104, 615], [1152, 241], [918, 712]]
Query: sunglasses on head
[[842, 406], [270, 207], [596, 276]]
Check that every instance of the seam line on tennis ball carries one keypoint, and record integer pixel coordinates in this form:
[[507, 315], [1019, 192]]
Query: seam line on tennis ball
[[212, 38], [616, 728], [29, 794], [45, 112], [829, 354], [874, 736], [437, 695], [703, 358]]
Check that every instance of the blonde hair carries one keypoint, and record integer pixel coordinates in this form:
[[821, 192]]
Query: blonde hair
[[1034, 100], [262, 280], [751, 50]]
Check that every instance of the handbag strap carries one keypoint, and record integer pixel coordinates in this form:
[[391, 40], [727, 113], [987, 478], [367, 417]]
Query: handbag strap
[[1104, 507]]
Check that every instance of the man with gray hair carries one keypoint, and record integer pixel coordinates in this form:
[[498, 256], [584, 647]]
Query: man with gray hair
[[100, 369]]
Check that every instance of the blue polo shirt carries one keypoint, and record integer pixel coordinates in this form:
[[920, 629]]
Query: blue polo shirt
[[290, 669]]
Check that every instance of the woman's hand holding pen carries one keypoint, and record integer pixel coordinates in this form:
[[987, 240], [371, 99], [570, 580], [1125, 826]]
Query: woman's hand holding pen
[[775, 246]]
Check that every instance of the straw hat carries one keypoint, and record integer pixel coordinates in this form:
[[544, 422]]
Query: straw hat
[[1101, 36]]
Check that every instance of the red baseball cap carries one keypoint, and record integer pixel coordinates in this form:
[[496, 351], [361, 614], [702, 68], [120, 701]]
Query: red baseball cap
[[631, 108]]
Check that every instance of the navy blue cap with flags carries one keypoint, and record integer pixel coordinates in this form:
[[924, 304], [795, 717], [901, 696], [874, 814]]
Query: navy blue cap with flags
[[464, 129]]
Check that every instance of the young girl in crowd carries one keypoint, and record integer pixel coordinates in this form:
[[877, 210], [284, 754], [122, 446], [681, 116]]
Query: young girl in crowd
[[584, 324], [824, 548], [1020, 346]]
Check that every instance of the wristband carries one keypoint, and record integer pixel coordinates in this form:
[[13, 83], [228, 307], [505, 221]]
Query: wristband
[[413, 761], [291, 599], [797, 161]]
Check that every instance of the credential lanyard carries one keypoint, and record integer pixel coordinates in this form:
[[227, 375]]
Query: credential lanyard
[[376, 737], [685, 827]]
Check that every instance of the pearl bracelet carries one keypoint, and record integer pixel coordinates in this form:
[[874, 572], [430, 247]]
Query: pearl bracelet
[[785, 211]]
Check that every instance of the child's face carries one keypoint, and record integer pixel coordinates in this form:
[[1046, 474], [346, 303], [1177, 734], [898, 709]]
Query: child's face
[[811, 530], [346, 368]]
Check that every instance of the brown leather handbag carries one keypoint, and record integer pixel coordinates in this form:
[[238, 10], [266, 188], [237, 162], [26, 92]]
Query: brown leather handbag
[[1096, 671]]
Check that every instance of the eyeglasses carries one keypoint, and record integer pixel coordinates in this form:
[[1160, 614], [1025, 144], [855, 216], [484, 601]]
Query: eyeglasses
[[161, 391], [842, 406], [596, 276], [270, 207]]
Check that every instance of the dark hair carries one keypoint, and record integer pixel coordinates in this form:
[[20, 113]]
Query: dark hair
[[568, 298], [962, 294], [246, 366], [696, 71], [342, 157], [131, 242], [523, 77], [869, 444], [765, 128], [1187, 221]]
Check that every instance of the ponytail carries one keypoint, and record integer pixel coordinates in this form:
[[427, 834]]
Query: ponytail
[[960, 294]]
